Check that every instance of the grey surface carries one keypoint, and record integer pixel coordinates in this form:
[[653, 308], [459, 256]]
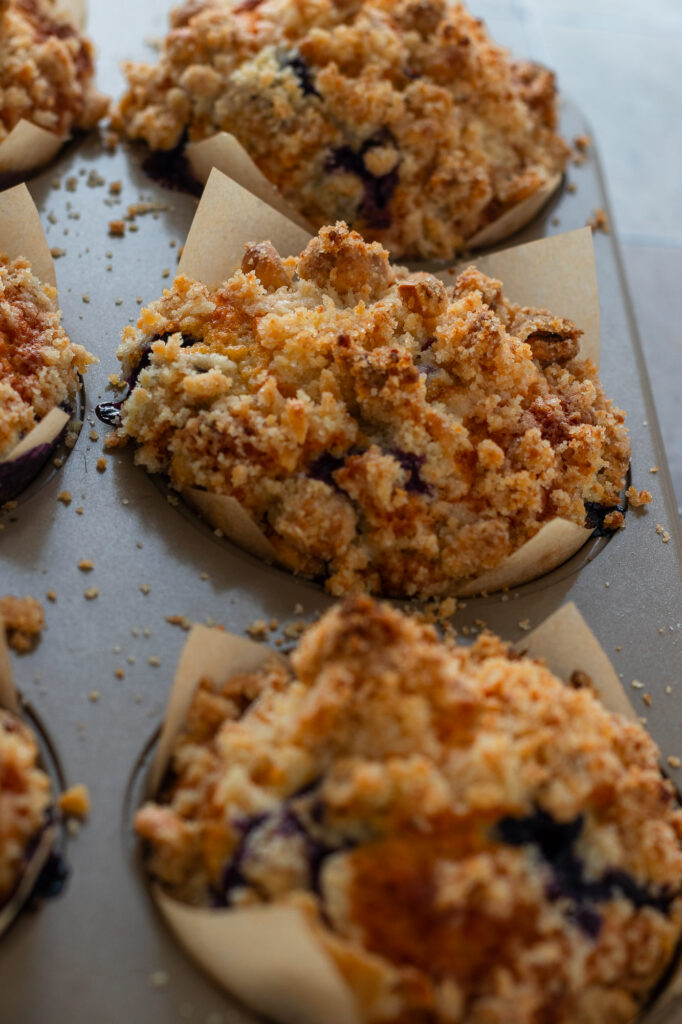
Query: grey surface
[[89, 955]]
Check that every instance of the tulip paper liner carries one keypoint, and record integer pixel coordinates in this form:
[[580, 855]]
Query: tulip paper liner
[[28, 146], [41, 851], [224, 152], [276, 958], [556, 273], [21, 234]]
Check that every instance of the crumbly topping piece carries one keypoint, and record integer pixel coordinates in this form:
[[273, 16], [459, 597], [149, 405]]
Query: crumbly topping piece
[[24, 799], [487, 842], [386, 432], [24, 620], [403, 118], [39, 366], [46, 70], [75, 802]]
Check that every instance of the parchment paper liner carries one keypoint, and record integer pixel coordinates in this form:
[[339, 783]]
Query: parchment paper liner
[[21, 234], [556, 273], [28, 146], [227, 154], [271, 957], [9, 701]]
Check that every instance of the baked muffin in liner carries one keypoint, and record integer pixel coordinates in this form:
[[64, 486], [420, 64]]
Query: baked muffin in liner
[[27, 813], [39, 365], [403, 119], [406, 434], [47, 86], [387, 827]]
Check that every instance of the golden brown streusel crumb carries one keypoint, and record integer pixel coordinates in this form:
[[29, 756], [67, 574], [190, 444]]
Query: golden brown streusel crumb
[[39, 366], [101, 464], [638, 498], [384, 430], [599, 221], [24, 799], [117, 228], [400, 116], [24, 621], [46, 70], [86, 565], [75, 802], [454, 813], [614, 520]]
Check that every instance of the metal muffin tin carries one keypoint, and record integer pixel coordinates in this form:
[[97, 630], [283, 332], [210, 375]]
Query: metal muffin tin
[[99, 952]]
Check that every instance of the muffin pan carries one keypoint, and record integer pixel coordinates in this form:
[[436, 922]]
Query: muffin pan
[[99, 951]]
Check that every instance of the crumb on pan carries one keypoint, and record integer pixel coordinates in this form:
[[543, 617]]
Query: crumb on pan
[[75, 802], [24, 621], [383, 430], [403, 118], [455, 823]]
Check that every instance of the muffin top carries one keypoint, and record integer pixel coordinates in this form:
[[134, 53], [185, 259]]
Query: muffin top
[[46, 70], [492, 844], [385, 431], [401, 117], [24, 799], [39, 366]]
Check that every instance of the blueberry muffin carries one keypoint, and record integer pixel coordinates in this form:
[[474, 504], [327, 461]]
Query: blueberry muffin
[[490, 844], [401, 117], [25, 798], [46, 70], [39, 366], [386, 432]]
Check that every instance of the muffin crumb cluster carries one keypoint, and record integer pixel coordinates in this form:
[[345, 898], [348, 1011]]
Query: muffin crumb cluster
[[385, 432], [39, 365], [24, 800], [46, 70], [479, 839], [402, 118]]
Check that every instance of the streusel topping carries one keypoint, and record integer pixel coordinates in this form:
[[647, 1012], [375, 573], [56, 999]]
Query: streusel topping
[[24, 799], [386, 432], [496, 844], [402, 118], [46, 70], [39, 366]]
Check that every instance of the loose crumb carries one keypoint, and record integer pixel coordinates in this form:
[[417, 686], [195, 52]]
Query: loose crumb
[[75, 802], [117, 228], [86, 565], [101, 464], [64, 497], [638, 498], [258, 629], [51, 595], [24, 621], [599, 221], [91, 593], [145, 587], [614, 520], [674, 762], [94, 696]]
